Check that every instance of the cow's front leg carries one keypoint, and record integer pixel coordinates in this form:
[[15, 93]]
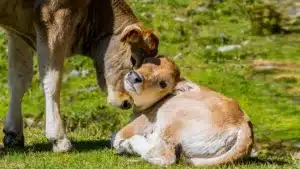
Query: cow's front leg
[[51, 70], [51, 61], [54, 44], [20, 70]]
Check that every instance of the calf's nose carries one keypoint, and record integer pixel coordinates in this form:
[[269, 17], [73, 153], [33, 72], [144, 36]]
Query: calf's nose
[[134, 77]]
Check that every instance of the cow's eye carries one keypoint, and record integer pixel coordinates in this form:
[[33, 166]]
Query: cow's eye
[[133, 62]]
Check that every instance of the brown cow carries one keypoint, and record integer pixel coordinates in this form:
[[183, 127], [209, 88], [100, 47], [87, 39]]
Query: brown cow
[[105, 30]]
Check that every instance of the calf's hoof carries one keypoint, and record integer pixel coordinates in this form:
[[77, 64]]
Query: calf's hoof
[[62, 145], [13, 140]]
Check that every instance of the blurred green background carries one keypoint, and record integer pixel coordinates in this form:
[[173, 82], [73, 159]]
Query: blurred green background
[[244, 49]]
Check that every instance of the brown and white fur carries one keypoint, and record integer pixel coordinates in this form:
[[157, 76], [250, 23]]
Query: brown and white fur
[[105, 30], [176, 117]]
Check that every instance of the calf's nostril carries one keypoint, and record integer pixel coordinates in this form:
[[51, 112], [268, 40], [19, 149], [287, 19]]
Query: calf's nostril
[[138, 80], [134, 77]]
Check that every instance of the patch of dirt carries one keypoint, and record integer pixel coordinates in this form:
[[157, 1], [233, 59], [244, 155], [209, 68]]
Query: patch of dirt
[[286, 71], [260, 65], [287, 77], [295, 91]]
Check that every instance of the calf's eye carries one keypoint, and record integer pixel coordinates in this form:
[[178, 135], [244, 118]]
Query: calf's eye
[[163, 84]]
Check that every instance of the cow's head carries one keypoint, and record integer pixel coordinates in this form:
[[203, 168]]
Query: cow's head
[[126, 52]]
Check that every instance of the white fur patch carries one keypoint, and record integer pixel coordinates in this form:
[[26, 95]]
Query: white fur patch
[[206, 144], [53, 127], [50, 81], [51, 118], [153, 151], [140, 145], [185, 86], [113, 98]]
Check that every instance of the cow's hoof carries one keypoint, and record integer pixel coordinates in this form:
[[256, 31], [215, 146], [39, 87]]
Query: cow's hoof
[[62, 145], [13, 140]]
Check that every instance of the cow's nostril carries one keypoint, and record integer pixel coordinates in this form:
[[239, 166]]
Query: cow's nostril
[[126, 105]]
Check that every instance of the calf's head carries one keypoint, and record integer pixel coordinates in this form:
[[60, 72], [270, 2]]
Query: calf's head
[[155, 79], [126, 52]]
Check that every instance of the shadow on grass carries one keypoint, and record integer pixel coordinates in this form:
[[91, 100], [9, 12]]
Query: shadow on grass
[[78, 146], [82, 146], [85, 146]]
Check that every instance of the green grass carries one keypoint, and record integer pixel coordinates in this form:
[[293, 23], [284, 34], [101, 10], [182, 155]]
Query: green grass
[[272, 103]]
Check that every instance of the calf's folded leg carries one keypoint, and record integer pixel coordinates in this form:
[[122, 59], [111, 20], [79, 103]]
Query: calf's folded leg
[[136, 127], [157, 151]]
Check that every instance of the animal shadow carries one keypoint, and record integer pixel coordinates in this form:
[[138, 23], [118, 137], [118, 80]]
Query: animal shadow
[[78, 146]]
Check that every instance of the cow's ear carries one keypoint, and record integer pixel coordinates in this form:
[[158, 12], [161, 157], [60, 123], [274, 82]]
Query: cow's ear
[[131, 34], [150, 39]]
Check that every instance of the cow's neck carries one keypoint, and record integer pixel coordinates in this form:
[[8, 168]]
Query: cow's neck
[[100, 39], [123, 15], [104, 19]]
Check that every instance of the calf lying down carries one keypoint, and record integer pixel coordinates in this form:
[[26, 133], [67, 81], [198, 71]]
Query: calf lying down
[[176, 118]]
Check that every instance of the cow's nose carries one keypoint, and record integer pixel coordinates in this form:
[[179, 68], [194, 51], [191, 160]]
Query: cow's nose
[[126, 105], [134, 77]]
